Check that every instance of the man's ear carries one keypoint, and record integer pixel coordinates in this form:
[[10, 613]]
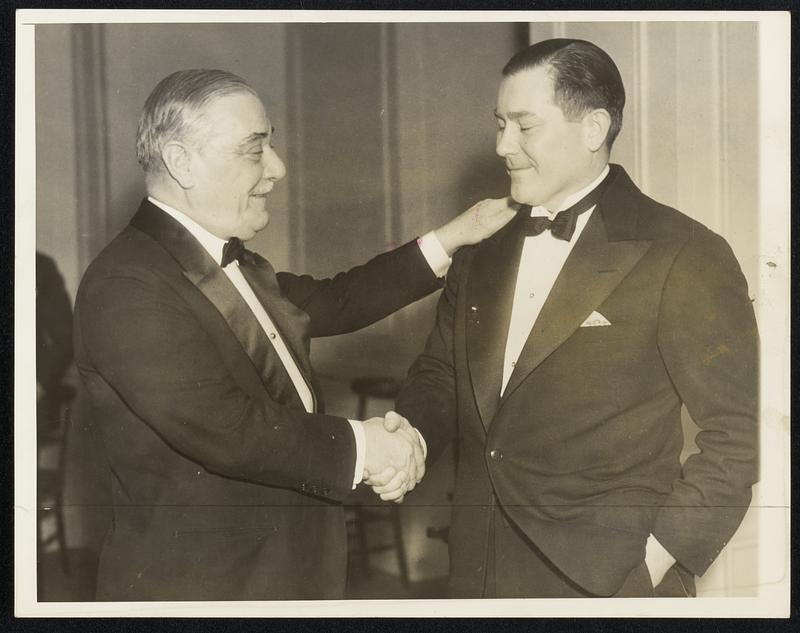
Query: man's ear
[[178, 163], [595, 128]]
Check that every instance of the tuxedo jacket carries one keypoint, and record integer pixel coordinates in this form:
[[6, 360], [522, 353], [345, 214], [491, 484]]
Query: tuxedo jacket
[[223, 486], [582, 450]]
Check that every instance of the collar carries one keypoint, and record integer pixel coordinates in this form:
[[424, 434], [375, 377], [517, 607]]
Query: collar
[[572, 198], [208, 241]]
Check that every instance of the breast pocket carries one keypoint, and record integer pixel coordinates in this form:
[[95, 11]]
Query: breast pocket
[[601, 340]]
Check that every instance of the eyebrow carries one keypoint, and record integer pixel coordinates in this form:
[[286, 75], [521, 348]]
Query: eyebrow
[[515, 116], [257, 136]]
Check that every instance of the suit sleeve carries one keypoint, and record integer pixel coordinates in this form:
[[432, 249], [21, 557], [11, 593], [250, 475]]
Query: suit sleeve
[[709, 342], [137, 333], [428, 396], [364, 294]]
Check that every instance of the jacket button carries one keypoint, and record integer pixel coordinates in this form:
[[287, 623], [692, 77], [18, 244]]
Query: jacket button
[[496, 455]]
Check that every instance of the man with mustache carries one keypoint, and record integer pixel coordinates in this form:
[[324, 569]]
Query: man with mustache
[[226, 475], [563, 349]]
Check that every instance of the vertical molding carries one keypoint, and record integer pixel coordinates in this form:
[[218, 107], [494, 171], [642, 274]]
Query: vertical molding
[[388, 168], [717, 132], [724, 130], [105, 136], [421, 124], [641, 64], [679, 202], [636, 101], [413, 180], [559, 29], [295, 112], [390, 172], [91, 125]]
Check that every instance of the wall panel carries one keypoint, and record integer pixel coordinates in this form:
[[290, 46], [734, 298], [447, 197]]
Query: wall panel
[[699, 140], [433, 155], [338, 133], [741, 161], [57, 232], [620, 40], [658, 121]]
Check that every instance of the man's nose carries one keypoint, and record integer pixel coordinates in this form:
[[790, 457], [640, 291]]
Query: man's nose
[[274, 169], [505, 143]]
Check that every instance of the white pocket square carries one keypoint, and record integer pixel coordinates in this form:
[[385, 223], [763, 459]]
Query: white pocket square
[[595, 319]]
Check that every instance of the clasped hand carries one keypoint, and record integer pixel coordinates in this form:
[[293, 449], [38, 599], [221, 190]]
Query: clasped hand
[[394, 461]]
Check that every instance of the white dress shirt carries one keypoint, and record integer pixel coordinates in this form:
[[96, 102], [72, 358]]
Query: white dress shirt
[[429, 245], [542, 259]]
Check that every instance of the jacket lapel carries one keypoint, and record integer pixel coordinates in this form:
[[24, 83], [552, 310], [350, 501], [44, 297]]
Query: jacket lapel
[[291, 321], [607, 250], [490, 295], [202, 271]]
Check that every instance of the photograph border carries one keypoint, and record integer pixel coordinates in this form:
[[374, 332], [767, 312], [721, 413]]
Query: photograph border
[[773, 308]]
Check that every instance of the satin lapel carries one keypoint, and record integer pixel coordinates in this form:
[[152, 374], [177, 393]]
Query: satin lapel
[[221, 292], [593, 269], [490, 296], [199, 268], [291, 321]]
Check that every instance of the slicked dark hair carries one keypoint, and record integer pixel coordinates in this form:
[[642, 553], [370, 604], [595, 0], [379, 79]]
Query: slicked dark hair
[[584, 78], [173, 109]]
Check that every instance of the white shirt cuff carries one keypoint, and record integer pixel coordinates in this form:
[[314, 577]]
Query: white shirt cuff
[[422, 441], [434, 253], [361, 442], [653, 544]]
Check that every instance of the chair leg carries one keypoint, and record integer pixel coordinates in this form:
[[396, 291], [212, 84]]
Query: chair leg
[[361, 530], [62, 539], [39, 555], [397, 527], [361, 409], [363, 551]]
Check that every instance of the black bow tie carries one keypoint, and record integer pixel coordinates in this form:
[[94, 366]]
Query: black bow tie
[[563, 225], [233, 249]]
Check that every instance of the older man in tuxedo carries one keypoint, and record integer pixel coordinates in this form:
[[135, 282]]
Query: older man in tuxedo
[[563, 350], [226, 475]]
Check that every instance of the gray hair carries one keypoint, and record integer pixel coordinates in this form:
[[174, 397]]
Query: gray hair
[[173, 109]]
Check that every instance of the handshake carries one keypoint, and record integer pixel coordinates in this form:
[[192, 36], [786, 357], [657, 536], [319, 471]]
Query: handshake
[[394, 460]]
